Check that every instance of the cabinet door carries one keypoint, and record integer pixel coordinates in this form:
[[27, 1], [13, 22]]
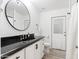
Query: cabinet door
[[30, 52], [39, 49], [42, 48], [35, 51], [18, 55]]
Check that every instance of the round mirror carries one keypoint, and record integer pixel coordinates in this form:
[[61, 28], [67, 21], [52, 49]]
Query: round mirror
[[17, 15]]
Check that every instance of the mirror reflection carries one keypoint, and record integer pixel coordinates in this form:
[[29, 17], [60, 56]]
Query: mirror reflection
[[17, 14]]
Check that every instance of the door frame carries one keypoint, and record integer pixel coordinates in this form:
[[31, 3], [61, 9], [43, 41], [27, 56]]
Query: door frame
[[65, 30]]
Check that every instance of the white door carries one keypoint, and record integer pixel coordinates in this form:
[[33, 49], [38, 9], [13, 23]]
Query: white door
[[58, 32]]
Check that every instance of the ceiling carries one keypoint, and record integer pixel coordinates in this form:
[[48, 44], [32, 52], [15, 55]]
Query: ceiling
[[45, 5]]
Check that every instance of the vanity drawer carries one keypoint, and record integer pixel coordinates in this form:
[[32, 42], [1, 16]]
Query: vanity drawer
[[18, 55]]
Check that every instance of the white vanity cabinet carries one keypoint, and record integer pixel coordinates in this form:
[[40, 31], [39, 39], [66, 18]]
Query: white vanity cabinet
[[35, 51], [18, 55], [29, 52], [39, 49]]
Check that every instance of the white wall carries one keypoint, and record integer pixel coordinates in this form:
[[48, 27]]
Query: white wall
[[73, 1], [45, 22], [72, 33], [7, 30], [1, 2]]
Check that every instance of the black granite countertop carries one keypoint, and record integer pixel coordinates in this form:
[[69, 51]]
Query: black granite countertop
[[13, 48]]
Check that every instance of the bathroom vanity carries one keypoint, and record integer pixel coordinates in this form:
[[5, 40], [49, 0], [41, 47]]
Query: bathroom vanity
[[30, 49], [20, 46]]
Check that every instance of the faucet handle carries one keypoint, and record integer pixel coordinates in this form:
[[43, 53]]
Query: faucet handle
[[21, 37], [28, 35]]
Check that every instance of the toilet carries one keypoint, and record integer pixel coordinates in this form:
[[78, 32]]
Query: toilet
[[46, 48]]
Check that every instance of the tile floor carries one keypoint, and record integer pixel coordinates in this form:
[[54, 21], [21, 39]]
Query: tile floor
[[55, 54]]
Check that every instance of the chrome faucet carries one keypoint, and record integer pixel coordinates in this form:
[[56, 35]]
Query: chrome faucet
[[21, 37]]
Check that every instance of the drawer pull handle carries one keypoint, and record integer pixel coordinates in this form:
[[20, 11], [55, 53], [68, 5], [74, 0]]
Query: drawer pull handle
[[18, 57], [36, 46]]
